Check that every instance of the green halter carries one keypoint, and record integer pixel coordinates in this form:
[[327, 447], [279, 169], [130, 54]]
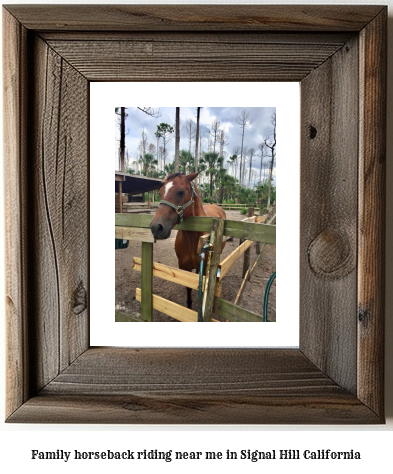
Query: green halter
[[180, 209]]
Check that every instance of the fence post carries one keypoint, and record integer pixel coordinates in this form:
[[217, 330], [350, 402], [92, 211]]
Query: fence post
[[216, 235], [258, 246], [120, 197], [246, 257], [147, 281], [246, 261]]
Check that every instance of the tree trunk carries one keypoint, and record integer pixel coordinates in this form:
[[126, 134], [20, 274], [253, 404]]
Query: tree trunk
[[143, 143], [177, 142], [241, 159], [260, 171], [220, 194], [122, 136], [249, 173], [272, 148], [158, 162], [270, 180], [196, 142]]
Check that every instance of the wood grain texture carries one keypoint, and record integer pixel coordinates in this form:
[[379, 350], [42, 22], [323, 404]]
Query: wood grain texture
[[156, 60], [175, 275], [248, 386], [199, 17], [14, 148], [58, 174], [228, 262], [372, 199], [170, 308], [335, 40], [328, 252], [248, 273], [246, 262], [232, 312], [328, 408], [238, 229], [136, 234], [147, 281], [251, 231]]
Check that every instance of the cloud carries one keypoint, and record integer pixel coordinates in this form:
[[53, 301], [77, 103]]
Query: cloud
[[260, 118]]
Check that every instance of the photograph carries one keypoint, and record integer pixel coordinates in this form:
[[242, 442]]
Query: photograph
[[178, 170]]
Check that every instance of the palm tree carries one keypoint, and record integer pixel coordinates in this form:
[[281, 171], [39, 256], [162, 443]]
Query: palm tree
[[212, 162], [229, 186], [202, 168], [232, 161], [148, 163], [220, 179], [186, 162], [170, 168]]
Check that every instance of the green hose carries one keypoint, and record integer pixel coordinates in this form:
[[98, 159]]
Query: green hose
[[266, 297]]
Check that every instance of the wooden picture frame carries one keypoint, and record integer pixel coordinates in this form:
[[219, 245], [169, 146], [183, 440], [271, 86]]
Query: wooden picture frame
[[338, 54]]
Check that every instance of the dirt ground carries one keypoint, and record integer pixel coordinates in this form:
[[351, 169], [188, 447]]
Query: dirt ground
[[127, 279]]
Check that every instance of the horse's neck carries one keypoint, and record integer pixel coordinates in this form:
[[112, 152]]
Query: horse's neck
[[198, 206], [192, 237], [186, 240]]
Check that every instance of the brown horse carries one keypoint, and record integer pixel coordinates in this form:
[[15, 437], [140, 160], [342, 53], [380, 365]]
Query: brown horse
[[180, 199]]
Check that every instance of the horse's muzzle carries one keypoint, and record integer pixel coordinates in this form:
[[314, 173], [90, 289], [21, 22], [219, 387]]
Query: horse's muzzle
[[159, 231]]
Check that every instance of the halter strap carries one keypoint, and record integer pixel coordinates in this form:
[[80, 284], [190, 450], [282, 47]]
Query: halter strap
[[180, 209]]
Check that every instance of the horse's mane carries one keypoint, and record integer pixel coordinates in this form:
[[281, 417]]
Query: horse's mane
[[179, 175], [174, 175]]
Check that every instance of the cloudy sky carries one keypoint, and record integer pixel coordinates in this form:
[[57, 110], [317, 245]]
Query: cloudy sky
[[136, 121]]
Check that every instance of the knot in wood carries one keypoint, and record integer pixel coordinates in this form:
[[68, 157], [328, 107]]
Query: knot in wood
[[363, 316], [330, 254], [80, 299], [313, 132]]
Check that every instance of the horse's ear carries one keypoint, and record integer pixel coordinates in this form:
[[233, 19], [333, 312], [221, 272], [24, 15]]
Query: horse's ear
[[192, 176]]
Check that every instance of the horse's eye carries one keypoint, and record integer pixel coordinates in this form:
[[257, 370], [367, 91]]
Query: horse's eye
[[180, 193]]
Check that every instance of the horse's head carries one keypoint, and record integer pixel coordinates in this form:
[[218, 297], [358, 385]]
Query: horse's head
[[176, 204]]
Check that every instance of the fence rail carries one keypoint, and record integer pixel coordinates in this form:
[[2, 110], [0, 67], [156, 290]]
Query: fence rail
[[248, 231], [237, 229]]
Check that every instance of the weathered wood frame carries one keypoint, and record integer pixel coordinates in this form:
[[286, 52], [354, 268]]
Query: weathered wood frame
[[338, 53]]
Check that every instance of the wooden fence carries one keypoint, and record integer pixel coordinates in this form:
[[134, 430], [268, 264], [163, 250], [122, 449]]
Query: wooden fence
[[238, 207], [137, 227]]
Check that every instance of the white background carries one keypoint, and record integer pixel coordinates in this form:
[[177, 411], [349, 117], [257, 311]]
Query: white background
[[104, 97], [375, 442]]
